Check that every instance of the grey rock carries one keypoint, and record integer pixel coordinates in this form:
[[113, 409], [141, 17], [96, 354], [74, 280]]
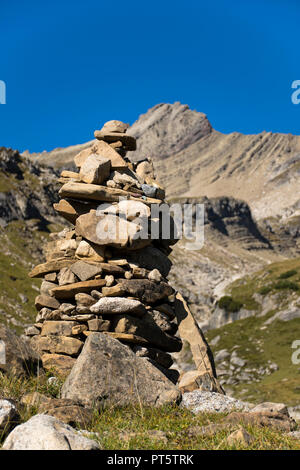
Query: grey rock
[[211, 402], [20, 359], [9, 416], [122, 378], [118, 305], [270, 407], [43, 432], [85, 271]]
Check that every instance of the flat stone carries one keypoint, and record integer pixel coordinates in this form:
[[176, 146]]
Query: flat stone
[[70, 210], [147, 291], [117, 306], [58, 345], [58, 328], [82, 156], [95, 169], [53, 265], [70, 290], [46, 301], [100, 193], [85, 271], [211, 402], [114, 291], [136, 380], [277, 421], [43, 432], [127, 140], [59, 363], [271, 408]]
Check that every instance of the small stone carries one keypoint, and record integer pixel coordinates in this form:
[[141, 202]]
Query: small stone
[[240, 437], [85, 300], [117, 306], [32, 331], [46, 287], [99, 325], [149, 191], [51, 277], [115, 126], [85, 271], [128, 275], [113, 291], [66, 276], [109, 280], [67, 309], [46, 301], [90, 251], [155, 275], [78, 329], [58, 328], [95, 169]]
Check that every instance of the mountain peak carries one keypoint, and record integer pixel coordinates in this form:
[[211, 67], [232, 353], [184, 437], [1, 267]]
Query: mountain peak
[[166, 129]]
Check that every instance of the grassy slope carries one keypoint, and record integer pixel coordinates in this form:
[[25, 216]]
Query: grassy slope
[[257, 343], [137, 421]]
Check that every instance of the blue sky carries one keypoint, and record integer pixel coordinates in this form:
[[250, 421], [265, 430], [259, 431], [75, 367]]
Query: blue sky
[[69, 66]]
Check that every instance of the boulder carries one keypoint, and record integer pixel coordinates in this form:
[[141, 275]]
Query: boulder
[[44, 432], [17, 357], [122, 378], [211, 402]]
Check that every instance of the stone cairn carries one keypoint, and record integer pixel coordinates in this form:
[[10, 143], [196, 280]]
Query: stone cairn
[[100, 275]]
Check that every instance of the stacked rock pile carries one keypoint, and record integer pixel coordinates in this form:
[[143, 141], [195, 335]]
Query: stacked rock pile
[[106, 274], [107, 271]]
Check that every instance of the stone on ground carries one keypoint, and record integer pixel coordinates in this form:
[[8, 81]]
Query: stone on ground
[[44, 432], [122, 378], [211, 402]]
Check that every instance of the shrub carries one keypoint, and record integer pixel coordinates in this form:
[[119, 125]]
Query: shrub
[[229, 304], [265, 290], [286, 285], [287, 274]]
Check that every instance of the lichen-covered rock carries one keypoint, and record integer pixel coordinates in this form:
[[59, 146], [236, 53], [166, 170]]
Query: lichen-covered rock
[[122, 378], [44, 432]]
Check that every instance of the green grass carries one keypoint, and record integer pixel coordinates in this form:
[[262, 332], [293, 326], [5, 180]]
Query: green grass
[[131, 427]]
